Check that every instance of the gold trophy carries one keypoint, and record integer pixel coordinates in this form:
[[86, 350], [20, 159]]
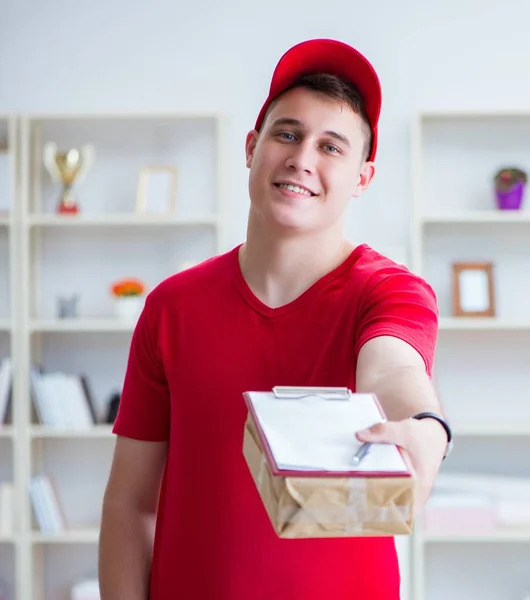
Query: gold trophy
[[67, 167]]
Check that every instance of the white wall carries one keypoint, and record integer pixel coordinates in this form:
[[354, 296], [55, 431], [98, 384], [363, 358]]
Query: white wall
[[100, 56]]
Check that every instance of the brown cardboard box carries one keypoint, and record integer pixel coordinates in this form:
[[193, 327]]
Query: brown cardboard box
[[311, 507]]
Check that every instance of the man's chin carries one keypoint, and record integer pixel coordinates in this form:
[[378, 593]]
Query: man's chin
[[292, 223]]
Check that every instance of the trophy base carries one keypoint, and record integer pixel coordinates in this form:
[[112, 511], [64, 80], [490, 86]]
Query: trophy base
[[68, 209]]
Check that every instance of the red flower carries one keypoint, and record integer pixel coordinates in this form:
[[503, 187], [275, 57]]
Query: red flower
[[128, 287]]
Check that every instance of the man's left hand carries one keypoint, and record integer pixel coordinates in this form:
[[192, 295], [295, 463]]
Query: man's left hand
[[424, 441]]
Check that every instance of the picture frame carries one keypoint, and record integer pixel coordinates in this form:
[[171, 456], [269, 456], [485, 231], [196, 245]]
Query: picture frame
[[157, 190], [473, 289]]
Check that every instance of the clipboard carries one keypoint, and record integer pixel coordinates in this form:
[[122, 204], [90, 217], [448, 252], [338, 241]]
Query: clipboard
[[290, 394]]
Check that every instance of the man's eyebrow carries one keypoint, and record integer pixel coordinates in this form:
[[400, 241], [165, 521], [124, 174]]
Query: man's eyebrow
[[287, 121], [297, 123], [339, 137]]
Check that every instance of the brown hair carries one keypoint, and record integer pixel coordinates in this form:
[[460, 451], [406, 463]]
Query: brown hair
[[338, 89]]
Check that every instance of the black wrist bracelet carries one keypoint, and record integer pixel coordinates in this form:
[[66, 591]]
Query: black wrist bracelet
[[443, 423]]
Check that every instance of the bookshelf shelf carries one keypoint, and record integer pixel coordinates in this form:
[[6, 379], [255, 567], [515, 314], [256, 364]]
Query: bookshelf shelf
[[119, 220], [73, 536], [107, 325], [477, 218], [126, 117], [482, 324], [498, 429], [95, 432], [499, 537]]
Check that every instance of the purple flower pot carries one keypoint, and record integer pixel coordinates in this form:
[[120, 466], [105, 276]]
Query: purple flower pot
[[511, 199]]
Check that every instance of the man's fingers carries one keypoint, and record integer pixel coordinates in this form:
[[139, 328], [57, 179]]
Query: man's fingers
[[385, 433]]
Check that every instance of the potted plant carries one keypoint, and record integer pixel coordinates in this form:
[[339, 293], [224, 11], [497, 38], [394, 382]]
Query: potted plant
[[510, 184], [128, 294]]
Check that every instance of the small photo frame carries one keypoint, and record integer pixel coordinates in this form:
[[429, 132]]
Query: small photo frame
[[157, 190], [473, 289]]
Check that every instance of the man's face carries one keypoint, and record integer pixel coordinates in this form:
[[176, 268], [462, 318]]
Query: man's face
[[307, 162]]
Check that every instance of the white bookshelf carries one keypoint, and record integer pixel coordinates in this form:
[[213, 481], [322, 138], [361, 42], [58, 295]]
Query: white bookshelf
[[11, 565], [48, 255], [482, 364]]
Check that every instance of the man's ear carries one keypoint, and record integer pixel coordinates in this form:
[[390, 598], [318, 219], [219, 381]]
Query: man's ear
[[250, 146], [364, 179]]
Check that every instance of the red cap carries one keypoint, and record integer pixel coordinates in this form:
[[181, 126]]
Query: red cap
[[336, 58]]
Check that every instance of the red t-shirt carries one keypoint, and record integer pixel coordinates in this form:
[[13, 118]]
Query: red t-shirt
[[203, 339]]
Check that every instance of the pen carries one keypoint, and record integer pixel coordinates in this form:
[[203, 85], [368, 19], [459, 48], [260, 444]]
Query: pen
[[361, 453]]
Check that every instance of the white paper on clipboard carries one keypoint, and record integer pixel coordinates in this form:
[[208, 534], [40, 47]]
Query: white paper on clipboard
[[318, 434]]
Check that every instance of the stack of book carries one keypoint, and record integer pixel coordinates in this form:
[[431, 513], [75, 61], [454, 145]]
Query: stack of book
[[62, 401], [6, 379], [46, 505], [468, 503]]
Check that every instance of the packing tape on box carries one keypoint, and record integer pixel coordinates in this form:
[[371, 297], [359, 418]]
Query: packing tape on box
[[261, 472], [354, 513], [351, 516]]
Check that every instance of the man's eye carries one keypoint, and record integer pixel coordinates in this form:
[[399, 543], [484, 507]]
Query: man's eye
[[331, 148], [285, 135]]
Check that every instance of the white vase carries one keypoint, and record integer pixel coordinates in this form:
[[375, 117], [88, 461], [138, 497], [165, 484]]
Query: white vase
[[128, 308]]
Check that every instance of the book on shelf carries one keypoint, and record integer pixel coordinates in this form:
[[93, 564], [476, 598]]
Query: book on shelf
[[46, 505], [6, 388], [7, 508], [476, 503], [62, 401]]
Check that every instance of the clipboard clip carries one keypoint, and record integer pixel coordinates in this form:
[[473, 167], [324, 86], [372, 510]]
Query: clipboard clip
[[286, 392]]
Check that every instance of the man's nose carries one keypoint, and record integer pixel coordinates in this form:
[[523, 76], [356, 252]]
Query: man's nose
[[302, 158]]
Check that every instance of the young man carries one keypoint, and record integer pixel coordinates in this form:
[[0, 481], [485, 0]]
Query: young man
[[296, 304]]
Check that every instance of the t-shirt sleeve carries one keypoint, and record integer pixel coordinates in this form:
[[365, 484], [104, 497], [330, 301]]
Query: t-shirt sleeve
[[403, 305], [144, 408]]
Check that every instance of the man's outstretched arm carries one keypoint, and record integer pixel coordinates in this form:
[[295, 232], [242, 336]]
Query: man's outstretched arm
[[396, 373]]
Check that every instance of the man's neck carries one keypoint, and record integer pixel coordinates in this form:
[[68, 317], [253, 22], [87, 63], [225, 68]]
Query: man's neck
[[279, 269]]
